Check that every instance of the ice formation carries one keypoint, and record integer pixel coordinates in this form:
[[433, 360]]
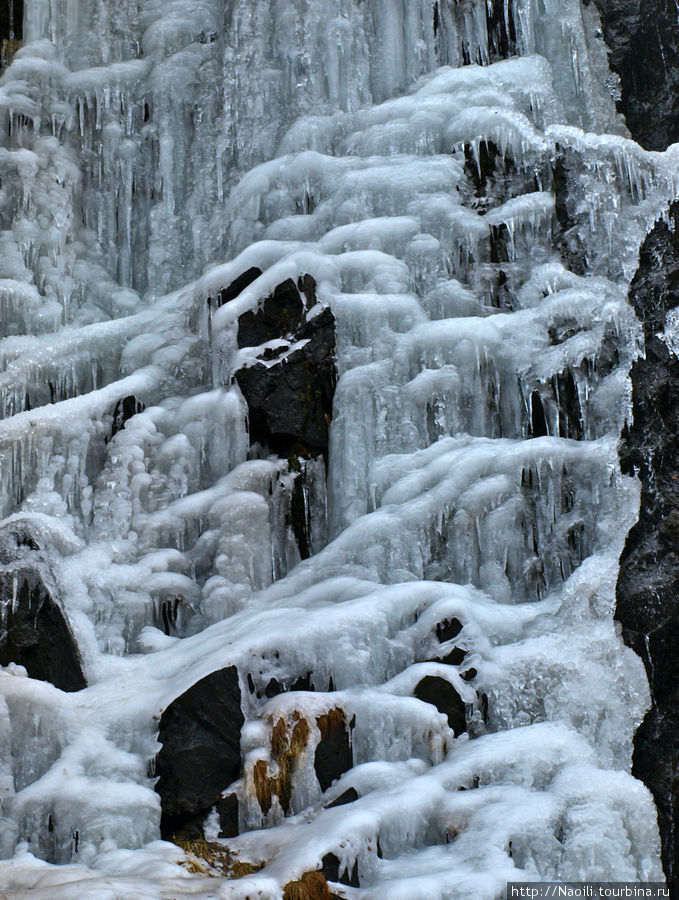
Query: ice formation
[[453, 180]]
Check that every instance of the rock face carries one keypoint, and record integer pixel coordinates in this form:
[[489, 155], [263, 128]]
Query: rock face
[[333, 753], [643, 41], [200, 756], [289, 387], [648, 582], [34, 632]]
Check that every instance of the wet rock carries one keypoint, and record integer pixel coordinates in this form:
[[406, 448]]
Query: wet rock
[[289, 392], [642, 37], [333, 753], [441, 694], [648, 580], [35, 632], [200, 753]]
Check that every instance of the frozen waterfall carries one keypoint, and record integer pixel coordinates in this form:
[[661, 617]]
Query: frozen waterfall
[[314, 355]]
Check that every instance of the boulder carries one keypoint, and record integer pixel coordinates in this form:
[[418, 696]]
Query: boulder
[[200, 754], [35, 632], [441, 694], [289, 389]]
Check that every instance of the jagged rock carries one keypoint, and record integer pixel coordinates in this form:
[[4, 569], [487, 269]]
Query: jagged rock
[[200, 756], [648, 580], [441, 694], [643, 41], [35, 632], [290, 398], [333, 753]]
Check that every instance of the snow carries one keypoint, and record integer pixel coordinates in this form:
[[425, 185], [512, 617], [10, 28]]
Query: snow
[[146, 167]]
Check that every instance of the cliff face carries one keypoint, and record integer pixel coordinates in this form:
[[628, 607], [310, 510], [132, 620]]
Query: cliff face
[[643, 40], [648, 583]]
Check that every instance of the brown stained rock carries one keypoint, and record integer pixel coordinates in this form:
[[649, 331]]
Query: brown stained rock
[[287, 746], [311, 886]]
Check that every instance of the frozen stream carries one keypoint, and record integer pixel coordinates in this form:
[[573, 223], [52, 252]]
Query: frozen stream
[[451, 180]]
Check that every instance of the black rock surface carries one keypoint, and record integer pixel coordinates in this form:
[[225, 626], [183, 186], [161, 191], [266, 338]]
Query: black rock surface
[[35, 631], [290, 394], [441, 694], [648, 581], [200, 756], [643, 41]]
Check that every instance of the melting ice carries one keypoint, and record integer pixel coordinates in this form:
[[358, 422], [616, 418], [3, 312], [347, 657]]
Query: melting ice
[[456, 182]]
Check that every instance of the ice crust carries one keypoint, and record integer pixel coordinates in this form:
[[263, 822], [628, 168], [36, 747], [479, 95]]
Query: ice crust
[[152, 153]]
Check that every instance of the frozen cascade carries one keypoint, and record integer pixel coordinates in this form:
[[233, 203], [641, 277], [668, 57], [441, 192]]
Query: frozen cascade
[[431, 696]]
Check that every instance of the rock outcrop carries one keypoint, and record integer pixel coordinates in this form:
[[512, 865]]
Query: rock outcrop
[[643, 41], [34, 630], [200, 754], [290, 382]]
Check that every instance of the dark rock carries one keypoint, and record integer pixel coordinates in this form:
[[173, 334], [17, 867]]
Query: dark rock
[[200, 756], [333, 753], [227, 810], [454, 658], [300, 518], [448, 629], [290, 404], [331, 870], [538, 422], [441, 694], [566, 169], [274, 687], [124, 410], [500, 29], [648, 581], [11, 20], [238, 286], [643, 42], [35, 631], [347, 796]]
